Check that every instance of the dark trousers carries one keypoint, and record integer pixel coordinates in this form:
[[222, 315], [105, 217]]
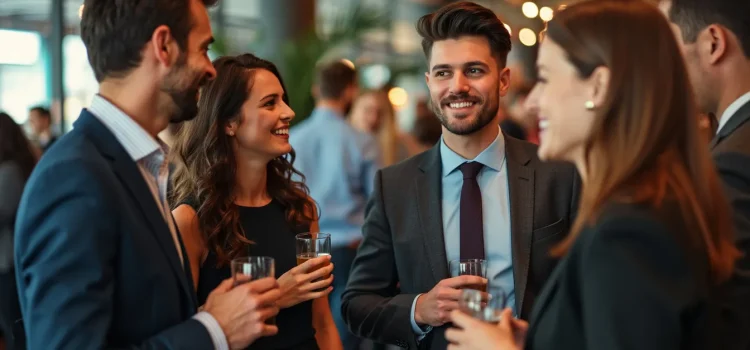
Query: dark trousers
[[10, 312], [342, 258]]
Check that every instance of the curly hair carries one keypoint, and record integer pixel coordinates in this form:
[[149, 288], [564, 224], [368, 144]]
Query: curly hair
[[205, 163]]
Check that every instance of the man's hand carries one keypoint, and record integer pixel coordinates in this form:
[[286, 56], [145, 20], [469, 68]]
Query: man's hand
[[473, 334], [242, 311], [434, 308]]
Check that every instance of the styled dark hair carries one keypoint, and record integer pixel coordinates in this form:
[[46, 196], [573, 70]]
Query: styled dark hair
[[206, 166], [42, 111], [115, 32], [333, 78], [642, 148], [14, 146], [692, 16], [464, 18]]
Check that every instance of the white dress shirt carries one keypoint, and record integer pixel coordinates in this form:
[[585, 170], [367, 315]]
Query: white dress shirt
[[732, 109], [150, 154]]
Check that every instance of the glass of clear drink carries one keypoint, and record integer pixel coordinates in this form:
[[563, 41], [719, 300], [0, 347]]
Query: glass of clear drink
[[251, 268], [485, 306]]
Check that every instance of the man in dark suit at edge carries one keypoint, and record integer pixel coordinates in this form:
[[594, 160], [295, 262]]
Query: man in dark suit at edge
[[714, 36], [99, 260]]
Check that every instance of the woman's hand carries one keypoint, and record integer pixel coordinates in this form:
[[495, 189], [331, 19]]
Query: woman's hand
[[473, 334], [297, 285]]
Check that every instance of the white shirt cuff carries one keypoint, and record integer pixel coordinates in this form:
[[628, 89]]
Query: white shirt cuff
[[214, 330], [419, 331]]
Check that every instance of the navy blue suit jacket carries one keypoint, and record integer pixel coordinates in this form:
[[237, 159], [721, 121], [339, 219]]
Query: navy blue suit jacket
[[95, 261]]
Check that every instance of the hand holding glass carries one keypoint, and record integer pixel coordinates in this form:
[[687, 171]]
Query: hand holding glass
[[253, 268], [311, 245]]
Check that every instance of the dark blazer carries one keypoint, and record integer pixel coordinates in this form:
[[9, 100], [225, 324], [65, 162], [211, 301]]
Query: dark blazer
[[403, 240], [631, 281], [96, 263], [731, 153]]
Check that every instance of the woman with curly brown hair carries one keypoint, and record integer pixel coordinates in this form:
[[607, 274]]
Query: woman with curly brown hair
[[235, 197]]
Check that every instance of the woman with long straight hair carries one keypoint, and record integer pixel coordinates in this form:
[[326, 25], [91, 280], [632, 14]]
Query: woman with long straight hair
[[652, 242], [17, 160], [235, 197]]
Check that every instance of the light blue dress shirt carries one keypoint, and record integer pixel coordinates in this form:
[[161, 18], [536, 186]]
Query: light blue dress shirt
[[339, 164], [493, 183]]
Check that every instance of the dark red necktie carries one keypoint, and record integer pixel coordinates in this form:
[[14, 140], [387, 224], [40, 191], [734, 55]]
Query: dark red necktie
[[472, 232]]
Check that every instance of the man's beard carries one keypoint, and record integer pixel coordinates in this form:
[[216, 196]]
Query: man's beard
[[485, 115], [184, 96]]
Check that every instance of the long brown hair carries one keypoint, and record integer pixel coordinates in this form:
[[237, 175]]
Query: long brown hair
[[645, 145], [206, 166], [15, 147], [387, 133]]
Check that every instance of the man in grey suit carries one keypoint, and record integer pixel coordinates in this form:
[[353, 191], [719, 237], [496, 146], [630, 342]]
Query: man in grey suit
[[715, 40], [476, 194]]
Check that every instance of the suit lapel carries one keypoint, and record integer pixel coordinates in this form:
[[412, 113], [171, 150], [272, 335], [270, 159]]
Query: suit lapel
[[132, 179], [428, 185], [521, 188], [735, 121]]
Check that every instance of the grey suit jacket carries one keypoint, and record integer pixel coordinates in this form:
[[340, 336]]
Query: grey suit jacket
[[403, 240], [731, 153]]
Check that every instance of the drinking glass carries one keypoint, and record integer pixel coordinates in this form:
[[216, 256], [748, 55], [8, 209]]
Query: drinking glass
[[487, 306], [251, 268], [311, 245], [473, 267]]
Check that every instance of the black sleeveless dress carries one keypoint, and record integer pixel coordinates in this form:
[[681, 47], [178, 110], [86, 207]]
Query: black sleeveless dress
[[272, 236]]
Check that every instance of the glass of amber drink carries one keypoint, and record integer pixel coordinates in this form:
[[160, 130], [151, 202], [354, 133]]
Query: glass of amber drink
[[311, 245], [473, 267]]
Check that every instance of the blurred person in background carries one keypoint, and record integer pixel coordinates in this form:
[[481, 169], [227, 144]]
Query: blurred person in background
[[652, 241], [235, 197], [99, 261], [373, 113], [425, 133], [16, 162], [40, 120], [714, 37], [519, 116], [339, 164]]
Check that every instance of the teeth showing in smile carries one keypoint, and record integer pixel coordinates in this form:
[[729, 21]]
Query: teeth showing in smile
[[461, 104], [281, 132], [543, 124]]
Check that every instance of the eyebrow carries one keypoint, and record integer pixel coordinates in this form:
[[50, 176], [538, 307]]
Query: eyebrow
[[273, 97], [208, 41], [465, 65]]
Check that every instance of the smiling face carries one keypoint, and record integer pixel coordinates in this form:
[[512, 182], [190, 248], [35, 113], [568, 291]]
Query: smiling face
[[262, 130], [559, 100], [465, 83]]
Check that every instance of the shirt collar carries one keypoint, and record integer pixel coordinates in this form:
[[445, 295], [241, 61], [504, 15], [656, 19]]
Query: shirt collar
[[136, 140], [491, 157], [732, 110]]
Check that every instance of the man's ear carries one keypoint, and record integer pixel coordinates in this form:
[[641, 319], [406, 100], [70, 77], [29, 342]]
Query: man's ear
[[164, 47], [713, 42]]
